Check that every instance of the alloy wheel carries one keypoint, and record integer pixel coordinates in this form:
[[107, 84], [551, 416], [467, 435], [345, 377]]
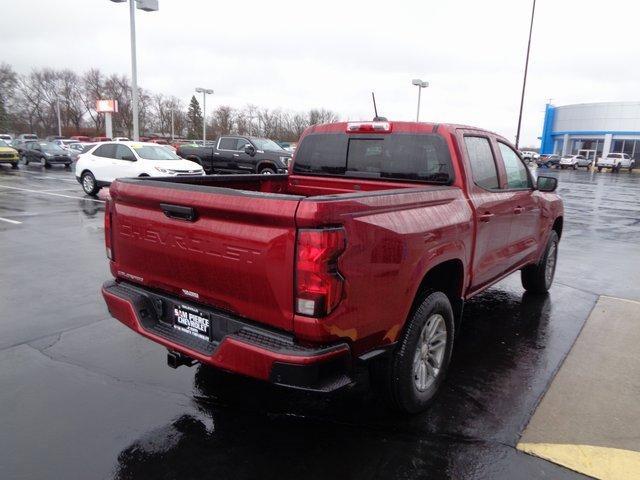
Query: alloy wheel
[[430, 350]]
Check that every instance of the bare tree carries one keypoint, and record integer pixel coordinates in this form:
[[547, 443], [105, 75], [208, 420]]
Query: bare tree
[[93, 90], [8, 86]]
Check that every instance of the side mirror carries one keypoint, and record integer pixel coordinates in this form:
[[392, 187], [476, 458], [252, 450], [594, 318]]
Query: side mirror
[[130, 158], [546, 184], [250, 150]]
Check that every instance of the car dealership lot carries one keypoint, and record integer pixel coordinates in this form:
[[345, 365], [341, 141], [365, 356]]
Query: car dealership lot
[[84, 397]]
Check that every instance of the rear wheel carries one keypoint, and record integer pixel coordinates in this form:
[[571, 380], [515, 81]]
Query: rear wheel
[[411, 377], [539, 277], [89, 184]]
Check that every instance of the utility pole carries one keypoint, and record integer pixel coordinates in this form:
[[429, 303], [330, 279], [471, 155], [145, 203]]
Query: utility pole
[[524, 80]]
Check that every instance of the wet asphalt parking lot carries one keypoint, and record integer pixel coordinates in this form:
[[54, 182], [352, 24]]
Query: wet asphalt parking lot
[[84, 397]]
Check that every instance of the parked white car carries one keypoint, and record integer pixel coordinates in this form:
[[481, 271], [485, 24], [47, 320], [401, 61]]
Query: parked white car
[[107, 161], [616, 162], [569, 161], [530, 155]]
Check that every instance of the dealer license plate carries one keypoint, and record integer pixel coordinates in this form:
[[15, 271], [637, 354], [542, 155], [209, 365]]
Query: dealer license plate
[[192, 321]]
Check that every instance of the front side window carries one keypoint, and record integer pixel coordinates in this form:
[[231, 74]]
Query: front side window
[[483, 165], [517, 176], [123, 151], [228, 143], [241, 143]]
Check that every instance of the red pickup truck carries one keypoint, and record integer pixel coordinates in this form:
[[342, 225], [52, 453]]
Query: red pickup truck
[[363, 254]]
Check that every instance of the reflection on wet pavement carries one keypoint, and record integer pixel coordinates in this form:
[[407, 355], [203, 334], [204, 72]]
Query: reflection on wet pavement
[[508, 340]]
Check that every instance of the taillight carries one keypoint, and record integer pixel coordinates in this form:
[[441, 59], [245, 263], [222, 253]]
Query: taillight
[[368, 127], [318, 282], [107, 229]]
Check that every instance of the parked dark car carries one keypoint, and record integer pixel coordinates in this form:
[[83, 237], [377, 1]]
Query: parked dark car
[[239, 154], [18, 144], [548, 161], [45, 153]]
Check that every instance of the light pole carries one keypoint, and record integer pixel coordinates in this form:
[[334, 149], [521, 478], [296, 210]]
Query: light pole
[[147, 6], [524, 80], [172, 130], [204, 92], [420, 84], [58, 115]]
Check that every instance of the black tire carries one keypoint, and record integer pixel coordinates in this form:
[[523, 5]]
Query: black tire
[[44, 163], [396, 376], [67, 166], [599, 169], [89, 184], [575, 166], [267, 171], [536, 278], [14, 165], [25, 160]]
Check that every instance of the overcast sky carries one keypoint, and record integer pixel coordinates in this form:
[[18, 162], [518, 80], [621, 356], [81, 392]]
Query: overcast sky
[[299, 55]]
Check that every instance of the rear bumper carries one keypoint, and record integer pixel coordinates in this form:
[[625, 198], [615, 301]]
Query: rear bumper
[[236, 344]]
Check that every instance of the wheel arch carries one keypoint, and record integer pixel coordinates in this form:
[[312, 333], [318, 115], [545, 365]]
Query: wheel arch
[[446, 277], [557, 226], [266, 164]]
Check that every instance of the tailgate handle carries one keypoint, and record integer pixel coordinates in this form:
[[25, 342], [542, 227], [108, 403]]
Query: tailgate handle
[[179, 212]]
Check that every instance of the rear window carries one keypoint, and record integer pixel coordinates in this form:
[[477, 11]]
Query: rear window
[[422, 157]]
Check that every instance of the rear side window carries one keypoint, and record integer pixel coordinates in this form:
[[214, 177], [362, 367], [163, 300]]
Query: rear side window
[[483, 165], [107, 151], [517, 176], [399, 156], [227, 143]]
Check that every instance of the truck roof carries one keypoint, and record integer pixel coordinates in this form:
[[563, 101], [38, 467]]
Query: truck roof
[[397, 126]]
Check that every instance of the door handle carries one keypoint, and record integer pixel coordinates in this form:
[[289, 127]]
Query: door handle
[[236, 155], [486, 216], [518, 210], [216, 153], [179, 212]]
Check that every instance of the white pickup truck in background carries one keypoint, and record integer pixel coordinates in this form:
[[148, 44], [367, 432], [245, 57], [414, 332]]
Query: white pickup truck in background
[[616, 162]]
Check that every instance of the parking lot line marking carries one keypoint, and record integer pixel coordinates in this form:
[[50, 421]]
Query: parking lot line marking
[[49, 177], [599, 462], [15, 222], [52, 194]]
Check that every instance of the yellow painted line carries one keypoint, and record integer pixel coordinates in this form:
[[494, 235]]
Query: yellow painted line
[[600, 462]]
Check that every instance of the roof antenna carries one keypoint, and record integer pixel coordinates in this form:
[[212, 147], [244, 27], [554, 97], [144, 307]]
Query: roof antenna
[[375, 110]]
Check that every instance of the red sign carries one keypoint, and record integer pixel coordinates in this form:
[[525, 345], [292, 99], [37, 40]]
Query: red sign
[[103, 106]]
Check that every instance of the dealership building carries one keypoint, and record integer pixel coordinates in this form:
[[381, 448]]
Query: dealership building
[[592, 129]]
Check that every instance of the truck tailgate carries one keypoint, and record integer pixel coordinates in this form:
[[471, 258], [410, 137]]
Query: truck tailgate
[[237, 254]]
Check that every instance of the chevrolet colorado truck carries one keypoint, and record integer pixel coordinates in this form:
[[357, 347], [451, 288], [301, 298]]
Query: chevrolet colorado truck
[[239, 154], [361, 256]]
